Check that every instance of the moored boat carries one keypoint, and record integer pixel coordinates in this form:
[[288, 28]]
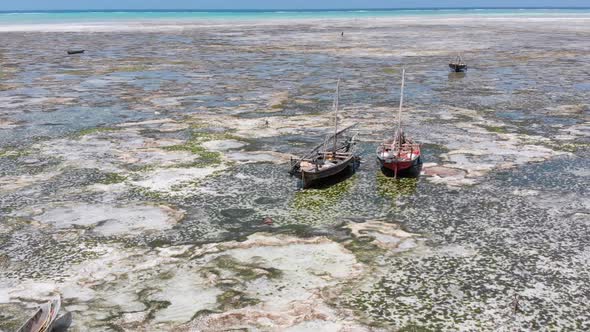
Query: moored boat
[[458, 65], [331, 158], [399, 154], [72, 52], [325, 166]]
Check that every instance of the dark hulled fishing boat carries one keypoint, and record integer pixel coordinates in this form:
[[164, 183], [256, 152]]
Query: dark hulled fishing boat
[[399, 154], [324, 166], [331, 158], [458, 65], [72, 52]]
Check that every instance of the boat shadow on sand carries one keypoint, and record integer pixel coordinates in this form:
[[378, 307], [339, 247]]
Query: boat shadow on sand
[[456, 76]]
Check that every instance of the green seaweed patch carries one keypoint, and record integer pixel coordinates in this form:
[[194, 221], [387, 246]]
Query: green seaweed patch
[[456, 118], [113, 326], [233, 299], [130, 69], [167, 275], [97, 130], [571, 147], [436, 148], [494, 129], [364, 249], [273, 273], [112, 178], [194, 145], [141, 59], [206, 157], [14, 154], [414, 328], [298, 230], [316, 199], [245, 271], [150, 194], [141, 168], [11, 317], [203, 131], [215, 136], [178, 62], [203, 313], [159, 243], [279, 106], [390, 71], [193, 123], [188, 184], [155, 306], [6, 209], [393, 188]]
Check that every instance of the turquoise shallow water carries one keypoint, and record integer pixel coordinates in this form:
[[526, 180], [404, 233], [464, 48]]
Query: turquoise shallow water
[[102, 16]]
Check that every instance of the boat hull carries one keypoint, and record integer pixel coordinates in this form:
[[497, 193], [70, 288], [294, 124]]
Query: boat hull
[[310, 178], [458, 68], [410, 168]]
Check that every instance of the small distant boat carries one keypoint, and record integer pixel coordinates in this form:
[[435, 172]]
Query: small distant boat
[[72, 52], [331, 158], [400, 154], [458, 65]]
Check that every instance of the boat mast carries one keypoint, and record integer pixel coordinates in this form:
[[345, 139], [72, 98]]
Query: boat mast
[[401, 104], [336, 115]]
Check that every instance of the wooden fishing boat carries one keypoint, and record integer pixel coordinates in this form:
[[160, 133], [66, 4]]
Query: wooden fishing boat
[[400, 159], [329, 159], [72, 52], [458, 65], [326, 164], [43, 319], [399, 154]]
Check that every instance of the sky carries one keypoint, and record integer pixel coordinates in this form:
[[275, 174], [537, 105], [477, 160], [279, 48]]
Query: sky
[[274, 4]]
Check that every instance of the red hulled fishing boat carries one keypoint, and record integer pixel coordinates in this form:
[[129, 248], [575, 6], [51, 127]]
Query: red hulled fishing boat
[[399, 154]]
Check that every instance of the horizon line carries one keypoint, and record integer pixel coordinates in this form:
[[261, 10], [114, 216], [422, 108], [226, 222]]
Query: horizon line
[[283, 10]]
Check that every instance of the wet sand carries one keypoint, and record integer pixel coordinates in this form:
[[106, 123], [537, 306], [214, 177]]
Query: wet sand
[[134, 179]]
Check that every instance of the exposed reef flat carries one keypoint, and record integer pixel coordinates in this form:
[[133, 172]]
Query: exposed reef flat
[[268, 281], [145, 181]]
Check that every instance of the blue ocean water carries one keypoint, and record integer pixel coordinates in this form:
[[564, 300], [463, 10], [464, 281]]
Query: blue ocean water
[[27, 17]]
